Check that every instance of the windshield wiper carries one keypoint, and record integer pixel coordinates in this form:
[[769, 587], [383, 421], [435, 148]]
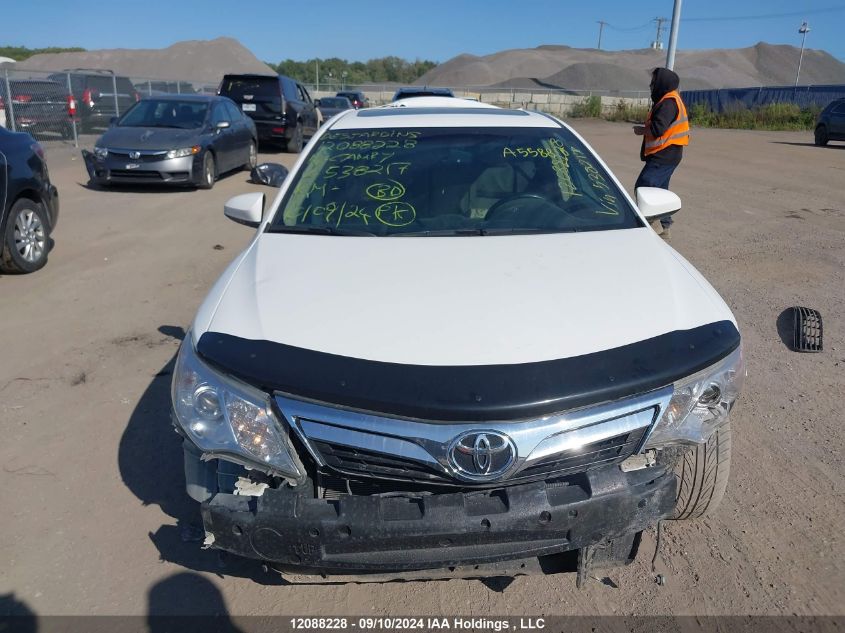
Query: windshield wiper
[[318, 229], [438, 233], [524, 230]]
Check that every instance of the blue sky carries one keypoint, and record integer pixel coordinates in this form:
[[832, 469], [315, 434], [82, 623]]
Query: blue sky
[[425, 29]]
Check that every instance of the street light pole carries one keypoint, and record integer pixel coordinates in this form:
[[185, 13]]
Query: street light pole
[[803, 30], [673, 35]]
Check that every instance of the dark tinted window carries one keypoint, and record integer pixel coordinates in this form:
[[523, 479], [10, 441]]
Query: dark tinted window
[[106, 83], [289, 89], [454, 181], [37, 88], [218, 114], [246, 88], [232, 111], [335, 102], [839, 109]]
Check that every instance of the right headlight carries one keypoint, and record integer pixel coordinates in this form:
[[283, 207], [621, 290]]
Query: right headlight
[[101, 152], [226, 418], [700, 403]]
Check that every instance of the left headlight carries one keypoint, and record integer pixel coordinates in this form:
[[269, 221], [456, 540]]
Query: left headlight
[[700, 403], [185, 151], [226, 418]]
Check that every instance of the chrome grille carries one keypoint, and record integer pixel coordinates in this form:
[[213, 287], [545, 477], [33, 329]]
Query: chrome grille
[[367, 445]]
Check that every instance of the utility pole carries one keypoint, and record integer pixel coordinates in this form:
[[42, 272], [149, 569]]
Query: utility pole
[[602, 24], [673, 35], [317, 61], [803, 30], [657, 44]]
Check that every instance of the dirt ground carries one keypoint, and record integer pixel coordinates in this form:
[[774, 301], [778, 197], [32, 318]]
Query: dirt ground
[[94, 516]]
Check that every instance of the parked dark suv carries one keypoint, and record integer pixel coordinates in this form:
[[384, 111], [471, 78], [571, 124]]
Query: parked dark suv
[[280, 106], [831, 123], [38, 105], [96, 99]]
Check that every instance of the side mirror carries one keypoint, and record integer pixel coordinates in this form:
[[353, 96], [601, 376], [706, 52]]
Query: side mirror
[[655, 203], [247, 208], [222, 125], [317, 102], [113, 121]]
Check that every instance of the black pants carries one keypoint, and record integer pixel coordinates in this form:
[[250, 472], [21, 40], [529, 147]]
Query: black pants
[[656, 174]]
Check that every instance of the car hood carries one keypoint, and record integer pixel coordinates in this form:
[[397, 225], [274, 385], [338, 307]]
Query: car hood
[[149, 138], [459, 300]]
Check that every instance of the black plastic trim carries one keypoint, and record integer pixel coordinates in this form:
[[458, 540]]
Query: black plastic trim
[[473, 392]]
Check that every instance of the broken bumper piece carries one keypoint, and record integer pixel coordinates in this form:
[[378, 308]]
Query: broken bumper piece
[[299, 534]]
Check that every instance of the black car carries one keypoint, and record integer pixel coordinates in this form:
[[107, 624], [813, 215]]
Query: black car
[[330, 106], [30, 204], [356, 97], [280, 106], [830, 125], [38, 105], [421, 91], [100, 95], [175, 139]]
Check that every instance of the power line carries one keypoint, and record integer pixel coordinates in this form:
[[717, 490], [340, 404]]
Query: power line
[[766, 16]]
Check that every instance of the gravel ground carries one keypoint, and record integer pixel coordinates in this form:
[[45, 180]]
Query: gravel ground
[[95, 519]]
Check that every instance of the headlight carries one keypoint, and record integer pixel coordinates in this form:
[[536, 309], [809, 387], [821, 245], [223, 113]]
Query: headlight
[[185, 151], [700, 403], [101, 152], [229, 419]]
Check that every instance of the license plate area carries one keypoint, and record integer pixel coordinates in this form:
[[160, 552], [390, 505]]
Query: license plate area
[[248, 107]]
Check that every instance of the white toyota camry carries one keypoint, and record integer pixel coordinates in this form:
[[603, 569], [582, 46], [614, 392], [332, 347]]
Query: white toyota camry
[[453, 344]]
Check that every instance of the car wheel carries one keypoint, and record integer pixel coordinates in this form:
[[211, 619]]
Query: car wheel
[[25, 242], [252, 161], [209, 172], [702, 476], [295, 144], [821, 136]]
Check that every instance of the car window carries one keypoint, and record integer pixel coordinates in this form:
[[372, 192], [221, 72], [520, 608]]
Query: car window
[[232, 111], [165, 113], [289, 89], [305, 96], [218, 114], [840, 109], [248, 88], [441, 180]]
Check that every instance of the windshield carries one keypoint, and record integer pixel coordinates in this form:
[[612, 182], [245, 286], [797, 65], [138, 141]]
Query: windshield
[[452, 181], [165, 113]]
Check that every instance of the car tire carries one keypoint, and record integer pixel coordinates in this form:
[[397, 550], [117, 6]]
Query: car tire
[[209, 172], [252, 161], [702, 476], [26, 241], [820, 137], [296, 142]]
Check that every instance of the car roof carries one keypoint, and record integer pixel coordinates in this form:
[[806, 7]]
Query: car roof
[[184, 97], [440, 112]]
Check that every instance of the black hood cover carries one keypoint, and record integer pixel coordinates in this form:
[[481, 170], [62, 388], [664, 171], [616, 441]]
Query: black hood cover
[[663, 81]]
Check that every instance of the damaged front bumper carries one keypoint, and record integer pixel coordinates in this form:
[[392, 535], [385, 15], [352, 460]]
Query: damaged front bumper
[[375, 534]]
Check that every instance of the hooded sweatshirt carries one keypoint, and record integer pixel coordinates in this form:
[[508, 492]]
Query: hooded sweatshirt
[[663, 115]]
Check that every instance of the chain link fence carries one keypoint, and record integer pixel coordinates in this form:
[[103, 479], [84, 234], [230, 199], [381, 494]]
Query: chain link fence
[[66, 104]]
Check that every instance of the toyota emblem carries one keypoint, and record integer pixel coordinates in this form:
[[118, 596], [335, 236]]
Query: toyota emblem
[[481, 455], [135, 155]]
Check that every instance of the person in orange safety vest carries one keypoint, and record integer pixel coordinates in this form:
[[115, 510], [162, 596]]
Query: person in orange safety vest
[[665, 133]]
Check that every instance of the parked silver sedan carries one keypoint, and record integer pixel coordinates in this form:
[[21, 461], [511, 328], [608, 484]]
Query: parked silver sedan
[[174, 139]]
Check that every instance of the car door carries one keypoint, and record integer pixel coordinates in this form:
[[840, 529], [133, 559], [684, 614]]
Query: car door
[[4, 189], [309, 111], [837, 121], [223, 139], [241, 134]]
